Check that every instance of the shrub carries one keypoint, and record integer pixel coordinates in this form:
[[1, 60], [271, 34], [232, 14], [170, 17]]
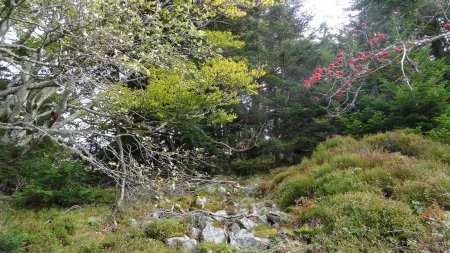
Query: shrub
[[409, 144], [161, 229], [12, 241], [426, 192], [364, 220], [340, 182], [48, 176], [295, 188]]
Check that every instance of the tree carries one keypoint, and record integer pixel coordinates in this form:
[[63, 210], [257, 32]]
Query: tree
[[104, 78], [399, 31]]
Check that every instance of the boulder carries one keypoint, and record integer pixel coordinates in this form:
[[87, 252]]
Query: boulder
[[235, 228], [181, 242], [213, 234], [203, 221], [196, 233], [200, 202], [247, 223], [244, 239], [220, 215], [277, 217], [222, 190]]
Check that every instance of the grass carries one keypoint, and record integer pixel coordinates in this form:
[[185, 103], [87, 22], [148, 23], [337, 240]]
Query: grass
[[55, 230]]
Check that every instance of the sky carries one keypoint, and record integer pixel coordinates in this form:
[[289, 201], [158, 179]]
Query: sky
[[330, 11]]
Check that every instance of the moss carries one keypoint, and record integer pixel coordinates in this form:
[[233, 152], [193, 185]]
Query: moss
[[266, 233], [261, 227], [205, 247], [161, 229], [216, 224]]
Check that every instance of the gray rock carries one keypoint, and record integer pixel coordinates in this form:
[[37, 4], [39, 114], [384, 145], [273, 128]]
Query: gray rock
[[243, 211], [259, 209], [247, 223], [263, 219], [210, 189], [133, 222], [190, 245], [220, 215], [181, 242], [200, 201], [277, 217], [204, 220], [92, 221], [196, 233], [222, 190], [213, 234], [244, 239], [235, 228]]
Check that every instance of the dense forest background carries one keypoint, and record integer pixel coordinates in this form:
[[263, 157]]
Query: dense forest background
[[113, 101]]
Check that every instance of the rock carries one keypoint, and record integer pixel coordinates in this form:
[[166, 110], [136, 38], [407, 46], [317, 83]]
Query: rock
[[92, 221], [181, 242], [277, 217], [190, 245], [243, 211], [196, 233], [133, 222], [210, 189], [220, 215], [275, 208], [244, 239], [235, 228], [200, 201], [263, 219], [259, 209], [203, 221], [213, 234], [222, 190], [247, 223]]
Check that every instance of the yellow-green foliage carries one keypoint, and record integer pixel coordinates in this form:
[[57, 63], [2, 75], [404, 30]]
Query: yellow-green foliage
[[224, 39], [184, 91], [165, 228], [368, 193]]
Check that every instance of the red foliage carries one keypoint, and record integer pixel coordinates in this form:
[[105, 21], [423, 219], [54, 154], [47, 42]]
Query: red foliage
[[398, 50]]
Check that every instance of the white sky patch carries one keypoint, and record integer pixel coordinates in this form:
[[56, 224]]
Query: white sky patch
[[331, 12]]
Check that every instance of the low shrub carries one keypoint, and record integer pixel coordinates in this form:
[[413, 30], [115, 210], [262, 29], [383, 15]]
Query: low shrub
[[47, 176], [12, 241], [161, 229], [295, 188], [362, 221], [409, 144]]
